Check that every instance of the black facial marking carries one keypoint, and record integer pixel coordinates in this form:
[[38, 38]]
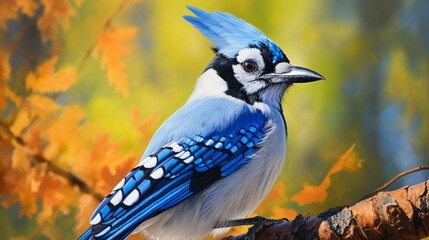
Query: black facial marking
[[223, 67]]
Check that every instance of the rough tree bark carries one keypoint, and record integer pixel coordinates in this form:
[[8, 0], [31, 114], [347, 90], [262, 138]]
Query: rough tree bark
[[399, 214]]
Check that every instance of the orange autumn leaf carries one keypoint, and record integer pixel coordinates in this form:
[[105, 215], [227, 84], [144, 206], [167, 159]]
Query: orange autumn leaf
[[51, 135], [53, 200], [7, 177], [87, 205], [20, 157], [37, 177], [112, 46], [63, 134], [56, 14], [44, 70], [8, 10], [276, 195], [277, 192], [280, 212], [111, 178], [144, 126], [28, 7], [22, 184], [42, 103], [46, 80], [103, 149], [349, 161], [34, 134], [310, 193], [5, 70], [26, 198], [103, 154], [3, 102]]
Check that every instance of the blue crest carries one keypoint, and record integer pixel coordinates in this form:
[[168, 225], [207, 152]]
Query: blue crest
[[230, 34]]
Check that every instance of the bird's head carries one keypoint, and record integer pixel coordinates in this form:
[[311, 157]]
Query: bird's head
[[248, 65]]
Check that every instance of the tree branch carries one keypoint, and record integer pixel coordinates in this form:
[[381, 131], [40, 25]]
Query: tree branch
[[38, 159], [107, 24], [399, 214], [386, 185], [70, 177]]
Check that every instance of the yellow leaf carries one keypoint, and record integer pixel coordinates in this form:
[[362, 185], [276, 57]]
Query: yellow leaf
[[56, 13], [349, 161], [22, 120], [28, 7], [46, 80], [112, 45]]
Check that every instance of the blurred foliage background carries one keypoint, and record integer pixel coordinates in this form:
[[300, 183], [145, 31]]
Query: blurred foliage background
[[84, 85]]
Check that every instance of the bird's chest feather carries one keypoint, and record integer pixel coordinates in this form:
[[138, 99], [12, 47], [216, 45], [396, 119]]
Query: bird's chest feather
[[238, 195], [254, 181]]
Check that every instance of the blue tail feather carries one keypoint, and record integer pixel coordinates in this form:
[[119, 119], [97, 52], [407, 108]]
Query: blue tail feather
[[87, 235]]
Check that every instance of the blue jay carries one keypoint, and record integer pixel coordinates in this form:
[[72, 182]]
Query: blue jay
[[218, 156]]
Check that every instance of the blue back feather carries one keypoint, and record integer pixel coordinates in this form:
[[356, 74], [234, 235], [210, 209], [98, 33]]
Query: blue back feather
[[230, 34]]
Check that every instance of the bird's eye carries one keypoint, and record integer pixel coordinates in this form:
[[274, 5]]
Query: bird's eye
[[250, 66]]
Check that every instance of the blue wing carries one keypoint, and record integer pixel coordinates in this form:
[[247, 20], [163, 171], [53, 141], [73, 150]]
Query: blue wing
[[175, 172]]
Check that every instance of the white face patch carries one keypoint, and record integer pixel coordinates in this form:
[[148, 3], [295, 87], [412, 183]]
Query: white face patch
[[245, 78], [251, 53], [209, 85], [283, 67]]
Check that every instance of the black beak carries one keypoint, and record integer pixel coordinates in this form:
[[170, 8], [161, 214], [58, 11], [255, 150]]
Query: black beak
[[292, 74]]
